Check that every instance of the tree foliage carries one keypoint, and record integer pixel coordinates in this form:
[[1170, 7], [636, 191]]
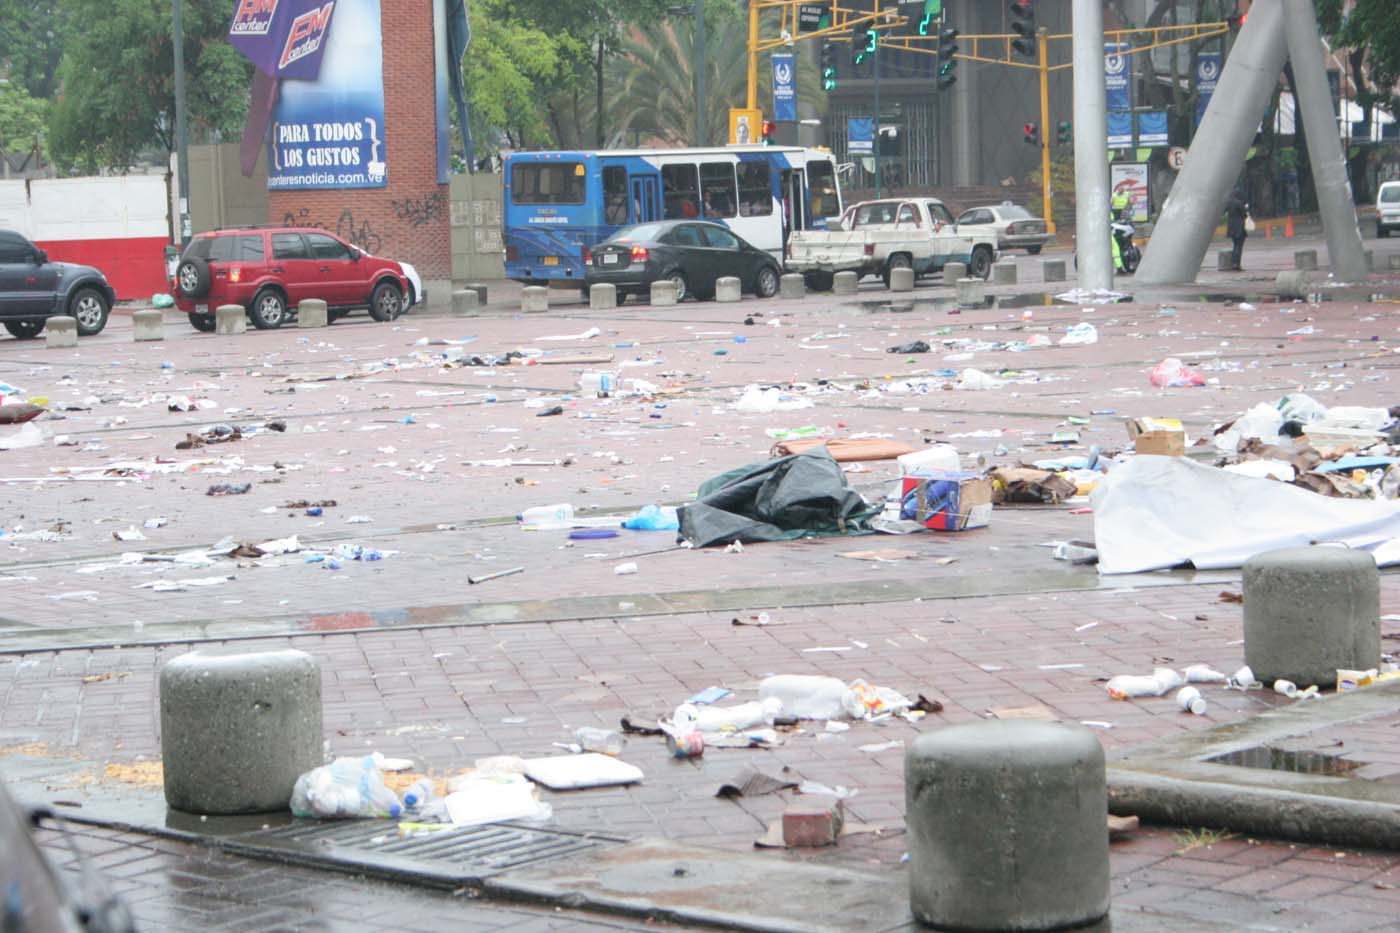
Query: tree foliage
[[1371, 30], [31, 43], [507, 67], [22, 121]]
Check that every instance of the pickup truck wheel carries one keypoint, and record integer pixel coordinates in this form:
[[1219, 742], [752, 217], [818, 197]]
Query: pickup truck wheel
[[820, 281], [765, 284], [981, 265], [898, 261]]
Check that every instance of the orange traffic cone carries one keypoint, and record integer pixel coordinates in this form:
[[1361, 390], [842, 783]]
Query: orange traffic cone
[[1288, 226], [1268, 231]]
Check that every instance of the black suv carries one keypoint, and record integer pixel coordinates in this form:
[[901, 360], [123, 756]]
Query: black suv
[[32, 290]]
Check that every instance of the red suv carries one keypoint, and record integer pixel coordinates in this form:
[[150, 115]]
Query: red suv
[[270, 270]]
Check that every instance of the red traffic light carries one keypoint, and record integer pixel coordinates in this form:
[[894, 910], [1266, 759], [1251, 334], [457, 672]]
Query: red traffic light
[[769, 127]]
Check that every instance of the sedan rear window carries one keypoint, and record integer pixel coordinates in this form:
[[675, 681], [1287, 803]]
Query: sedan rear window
[[638, 234], [1013, 212]]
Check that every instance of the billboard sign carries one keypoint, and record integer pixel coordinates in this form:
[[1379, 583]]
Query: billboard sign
[[283, 38]]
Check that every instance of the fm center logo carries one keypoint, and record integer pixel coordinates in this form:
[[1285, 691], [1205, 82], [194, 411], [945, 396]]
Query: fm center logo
[[307, 33], [253, 17]]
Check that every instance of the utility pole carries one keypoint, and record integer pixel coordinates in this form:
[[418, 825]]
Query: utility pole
[[1091, 149], [702, 129], [875, 64], [182, 141]]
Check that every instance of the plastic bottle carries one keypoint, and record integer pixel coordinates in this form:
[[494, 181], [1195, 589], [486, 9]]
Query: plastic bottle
[[726, 718], [593, 739], [599, 384], [1203, 674], [546, 515], [348, 788], [938, 457], [811, 697], [419, 795], [1191, 701], [1128, 686]]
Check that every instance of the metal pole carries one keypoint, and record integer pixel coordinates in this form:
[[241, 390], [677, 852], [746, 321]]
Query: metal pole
[[702, 130], [1042, 38], [875, 63], [1213, 163], [1091, 148], [753, 57], [182, 140], [1334, 198]]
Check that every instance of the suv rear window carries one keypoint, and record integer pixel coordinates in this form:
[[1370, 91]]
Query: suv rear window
[[227, 247]]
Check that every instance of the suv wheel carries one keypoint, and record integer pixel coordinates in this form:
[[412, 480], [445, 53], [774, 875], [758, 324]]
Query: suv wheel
[[385, 302], [269, 309], [89, 307], [24, 330], [192, 277]]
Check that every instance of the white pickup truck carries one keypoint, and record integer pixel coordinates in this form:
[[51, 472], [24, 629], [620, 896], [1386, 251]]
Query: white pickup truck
[[892, 233]]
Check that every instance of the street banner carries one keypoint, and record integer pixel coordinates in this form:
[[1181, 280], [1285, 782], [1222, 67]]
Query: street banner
[[860, 134], [1132, 178], [1207, 77], [784, 88], [1152, 128], [1116, 76], [1120, 129], [329, 132], [282, 38]]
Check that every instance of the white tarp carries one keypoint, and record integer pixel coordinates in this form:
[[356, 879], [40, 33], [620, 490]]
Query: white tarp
[[1157, 512]]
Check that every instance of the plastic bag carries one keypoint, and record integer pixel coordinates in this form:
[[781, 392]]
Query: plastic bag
[[347, 788], [1171, 373], [653, 518], [1300, 407], [1080, 335], [162, 300], [976, 379]]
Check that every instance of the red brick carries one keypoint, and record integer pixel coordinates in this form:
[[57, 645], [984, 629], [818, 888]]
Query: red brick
[[812, 824]]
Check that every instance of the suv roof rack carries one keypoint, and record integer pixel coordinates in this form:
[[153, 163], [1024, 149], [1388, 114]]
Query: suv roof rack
[[262, 227]]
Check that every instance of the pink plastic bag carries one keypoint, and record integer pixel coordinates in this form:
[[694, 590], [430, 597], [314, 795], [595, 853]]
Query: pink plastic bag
[[1171, 373]]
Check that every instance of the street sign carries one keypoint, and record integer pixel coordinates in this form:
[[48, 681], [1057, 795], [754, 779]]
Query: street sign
[[812, 16], [1176, 157]]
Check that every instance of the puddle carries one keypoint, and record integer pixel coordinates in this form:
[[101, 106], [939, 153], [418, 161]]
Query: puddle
[[1277, 759], [949, 305]]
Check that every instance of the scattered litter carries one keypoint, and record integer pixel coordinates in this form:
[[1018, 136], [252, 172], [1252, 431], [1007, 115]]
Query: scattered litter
[[1080, 335], [753, 783], [1171, 373], [346, 788], [229, 489], [479, 799], [570, 772], [492, 576]]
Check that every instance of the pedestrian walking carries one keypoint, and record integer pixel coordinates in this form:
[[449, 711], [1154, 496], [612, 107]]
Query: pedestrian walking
[[1236, 212]]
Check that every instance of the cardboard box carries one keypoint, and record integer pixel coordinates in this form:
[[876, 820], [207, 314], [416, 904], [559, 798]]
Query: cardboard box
[[945, 500], [1164, 437]]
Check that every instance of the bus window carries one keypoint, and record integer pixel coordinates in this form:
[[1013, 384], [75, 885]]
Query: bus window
[[615, 194], [681, 191], [821, 181], [755, 189], [717, 189], [547, 183]]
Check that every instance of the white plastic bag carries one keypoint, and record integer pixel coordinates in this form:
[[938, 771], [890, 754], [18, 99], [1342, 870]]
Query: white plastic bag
[[347, 788], [1080, 335]]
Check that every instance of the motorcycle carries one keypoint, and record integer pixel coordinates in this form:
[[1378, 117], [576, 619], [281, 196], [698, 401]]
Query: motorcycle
[[1126, 254]]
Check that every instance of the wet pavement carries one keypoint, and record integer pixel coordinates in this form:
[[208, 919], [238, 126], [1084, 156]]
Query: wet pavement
[[419, 662]]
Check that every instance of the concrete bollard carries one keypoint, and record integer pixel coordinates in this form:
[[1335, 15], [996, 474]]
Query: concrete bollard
[[728, 288], [1005, 824], [230, 319], [61, 332], [663, 293], [464, 301], [601, 297], [954, 272], [147, 325], [312, 312], [534, 299], [1309, 611], [1305, 260], [1370, 260], [972, 293], [1225, 261], [1052, 270], [901, 280], [793, 285], [1291, 285], [1395, 262], [236, 730], [480, 290], [1004, 272], [845, 283]]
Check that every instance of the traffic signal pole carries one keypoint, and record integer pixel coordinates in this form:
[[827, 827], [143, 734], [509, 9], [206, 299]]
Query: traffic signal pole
[[753, 57], [1045, 193]]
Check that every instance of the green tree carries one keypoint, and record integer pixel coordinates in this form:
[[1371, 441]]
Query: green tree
[[22, 121], [1369, 31], [508, 63], [31, 44], [117, 96]]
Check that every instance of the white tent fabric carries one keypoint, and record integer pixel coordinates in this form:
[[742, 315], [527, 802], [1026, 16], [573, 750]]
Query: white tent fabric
[[1157, 512]]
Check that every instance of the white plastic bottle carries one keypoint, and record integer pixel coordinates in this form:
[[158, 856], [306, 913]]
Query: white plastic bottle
[[726, 718], [546, 515], [419, 795], [811, 697], [593, 739]]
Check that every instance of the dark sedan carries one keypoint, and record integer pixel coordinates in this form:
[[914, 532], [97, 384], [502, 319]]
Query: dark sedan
[[692, 254]]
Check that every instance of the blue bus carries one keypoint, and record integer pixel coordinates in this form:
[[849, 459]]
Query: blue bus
[[558, 203]]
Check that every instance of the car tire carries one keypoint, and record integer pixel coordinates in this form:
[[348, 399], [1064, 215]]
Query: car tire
[[24, 330], [981, 265], [766, 282], [193, 278], [269, 309], [897, 261], [90, 308], [677, 277], [819, 281], [204, 323], [1382, 232], [1033, 250], [385, 302]]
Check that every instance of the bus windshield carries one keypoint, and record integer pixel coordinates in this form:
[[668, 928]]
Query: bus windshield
[[547, 183]]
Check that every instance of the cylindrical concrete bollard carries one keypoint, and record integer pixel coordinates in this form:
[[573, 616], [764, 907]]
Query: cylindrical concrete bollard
[[480, 290], [1370, 260], [230, 319], [1309, 611], [1006, 830], [1224, 261], [845, 283], [602, 297], [664, 292], [147, 325], [954, 272], [901, 280], [1394, 262], [237, 730], [312, 312], [1291, 285], [972, 293], [1052, 270], [534, 299], [1004, 272], [1305, 260], [728, 288], [793, 286], [61, 332], [464, 301]]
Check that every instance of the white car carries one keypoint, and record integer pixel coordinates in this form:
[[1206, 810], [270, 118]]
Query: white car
[[1388, 208], [1012, 225]]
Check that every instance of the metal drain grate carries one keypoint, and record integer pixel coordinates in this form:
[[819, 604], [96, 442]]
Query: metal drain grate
[[448, 858], [1277, 759]]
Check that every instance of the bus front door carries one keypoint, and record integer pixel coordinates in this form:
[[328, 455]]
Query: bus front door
[[644, 199], [794, 201]]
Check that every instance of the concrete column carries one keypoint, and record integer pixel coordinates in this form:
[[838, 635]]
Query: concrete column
[[728, 288], [61, 332], [953, 272], [1052, 270], [147, 325], [1224, 260], [1291, 285], [1006, 824], [792, 285], [230, 319], [663, 293], [962, 143], [972, 293], [601, 297], [901, 280], [845, 283], [1188, 220], [312, 312], [1329, 169], [534, 298], [1004, 272], [1091, 194], [1309, 611]]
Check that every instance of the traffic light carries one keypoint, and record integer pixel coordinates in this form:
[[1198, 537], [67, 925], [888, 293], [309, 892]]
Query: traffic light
[[947, 64], [769, 128], [1237, 21], [1030, 133], [1023, 23], [828, 67], [933, 9], [1064, 132], [863, 41]]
